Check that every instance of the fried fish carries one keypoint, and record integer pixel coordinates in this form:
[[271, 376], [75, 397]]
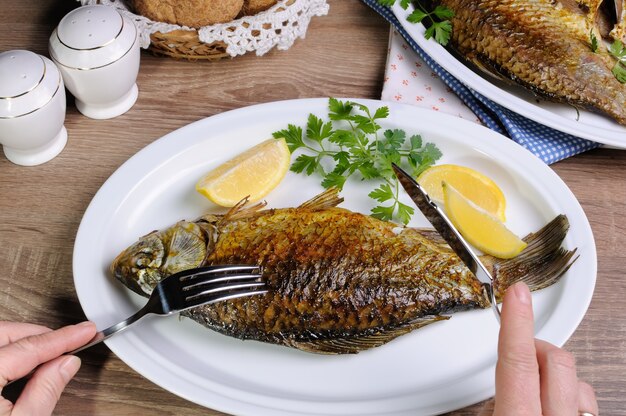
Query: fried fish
[[339, 281], [545, 46]]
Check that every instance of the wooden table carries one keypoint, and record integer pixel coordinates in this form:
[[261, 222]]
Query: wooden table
[[343, 55]]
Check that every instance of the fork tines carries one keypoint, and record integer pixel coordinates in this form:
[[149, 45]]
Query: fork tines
[[218, 270], [217, 283]]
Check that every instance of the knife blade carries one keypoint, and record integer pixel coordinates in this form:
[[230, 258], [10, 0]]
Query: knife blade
[[438, 218]]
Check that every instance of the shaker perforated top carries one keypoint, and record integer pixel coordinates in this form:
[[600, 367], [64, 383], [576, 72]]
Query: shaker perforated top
[[27, 82], [91, 37], [88, 28]]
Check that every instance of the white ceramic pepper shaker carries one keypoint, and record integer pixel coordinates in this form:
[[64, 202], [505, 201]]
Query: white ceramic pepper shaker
[[32, 108], [97, 51]]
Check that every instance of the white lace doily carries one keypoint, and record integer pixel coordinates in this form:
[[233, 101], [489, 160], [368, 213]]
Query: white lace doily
[[278, 26]]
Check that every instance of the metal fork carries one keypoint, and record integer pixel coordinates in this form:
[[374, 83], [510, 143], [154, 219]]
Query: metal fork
[[186, 290], [191, 288]]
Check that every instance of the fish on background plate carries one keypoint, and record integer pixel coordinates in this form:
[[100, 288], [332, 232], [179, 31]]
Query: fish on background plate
[[553, 48], [339, 282]]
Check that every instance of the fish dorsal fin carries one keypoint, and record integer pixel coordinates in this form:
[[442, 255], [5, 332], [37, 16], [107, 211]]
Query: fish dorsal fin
[[482, 65], [327, 199], [490, 71], [241, 211], [354, 344]]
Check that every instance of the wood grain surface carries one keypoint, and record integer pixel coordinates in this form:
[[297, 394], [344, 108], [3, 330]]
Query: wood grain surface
[[343, 55]]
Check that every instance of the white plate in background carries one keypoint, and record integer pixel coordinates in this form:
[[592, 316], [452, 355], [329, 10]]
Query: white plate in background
[[563, 117]]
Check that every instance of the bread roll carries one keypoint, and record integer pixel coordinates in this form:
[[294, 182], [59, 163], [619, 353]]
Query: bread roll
[[251, 7], [192, 13]]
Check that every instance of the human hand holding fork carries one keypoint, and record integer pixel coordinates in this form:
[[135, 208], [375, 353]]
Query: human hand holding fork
[[47, 355]]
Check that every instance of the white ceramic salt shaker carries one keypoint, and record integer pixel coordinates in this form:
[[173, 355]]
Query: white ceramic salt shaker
[[97, 51], [32, 108]]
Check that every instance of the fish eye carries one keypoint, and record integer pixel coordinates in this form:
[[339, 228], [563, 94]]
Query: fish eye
[[143, 259], [146, 252]]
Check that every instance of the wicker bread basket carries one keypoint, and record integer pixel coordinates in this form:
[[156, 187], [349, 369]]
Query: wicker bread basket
[[185, 44], [278, 26]]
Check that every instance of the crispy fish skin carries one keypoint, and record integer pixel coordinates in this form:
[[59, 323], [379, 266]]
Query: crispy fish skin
[[335, 272], [339, 281], [543, 45]]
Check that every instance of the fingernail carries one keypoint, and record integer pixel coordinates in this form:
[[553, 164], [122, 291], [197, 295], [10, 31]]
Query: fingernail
[[85, 324], [69, 367], [522, 293]]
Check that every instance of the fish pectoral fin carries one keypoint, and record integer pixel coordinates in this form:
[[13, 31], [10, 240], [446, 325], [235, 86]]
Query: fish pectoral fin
[[433, 236], [327, 199], [356, 343], [185, 247]]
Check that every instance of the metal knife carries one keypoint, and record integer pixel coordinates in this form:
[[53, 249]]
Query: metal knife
[[448, 231]]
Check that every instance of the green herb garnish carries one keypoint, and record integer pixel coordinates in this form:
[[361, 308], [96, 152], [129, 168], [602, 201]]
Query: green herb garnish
[[353, 143], [439, 25], [618, 51], [594, 41]]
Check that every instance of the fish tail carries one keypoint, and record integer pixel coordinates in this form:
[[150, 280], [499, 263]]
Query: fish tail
[[540, 264]]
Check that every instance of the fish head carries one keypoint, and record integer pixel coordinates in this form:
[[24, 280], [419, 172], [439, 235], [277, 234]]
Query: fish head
[[159, 254]]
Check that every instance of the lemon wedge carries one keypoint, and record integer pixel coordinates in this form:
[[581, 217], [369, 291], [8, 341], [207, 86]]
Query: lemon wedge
[[472, 184], [253, 173], [481, 229]]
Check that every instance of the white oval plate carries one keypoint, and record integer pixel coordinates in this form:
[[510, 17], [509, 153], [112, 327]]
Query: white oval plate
[[559, 116], [439, 368]]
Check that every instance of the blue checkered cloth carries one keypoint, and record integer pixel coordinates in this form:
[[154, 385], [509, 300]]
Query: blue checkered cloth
[[544, 142]]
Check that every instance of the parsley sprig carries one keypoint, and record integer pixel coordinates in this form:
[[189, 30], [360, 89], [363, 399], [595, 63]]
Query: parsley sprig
[[593, 41], [352, 142], [618, 51], [437, 22]]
